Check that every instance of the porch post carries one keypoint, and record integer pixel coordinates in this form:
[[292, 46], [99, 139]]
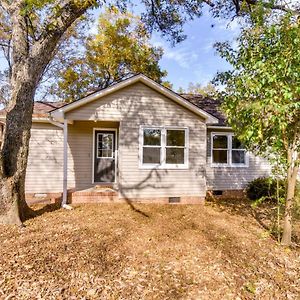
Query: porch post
[[65, 165]]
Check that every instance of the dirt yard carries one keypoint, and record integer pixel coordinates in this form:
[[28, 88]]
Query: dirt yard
[[217, 251]]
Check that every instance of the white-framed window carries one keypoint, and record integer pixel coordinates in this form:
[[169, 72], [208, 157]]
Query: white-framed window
[[227, 150], [163, 147]]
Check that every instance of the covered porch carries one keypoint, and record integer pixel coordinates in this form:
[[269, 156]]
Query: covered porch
[[90, 163]]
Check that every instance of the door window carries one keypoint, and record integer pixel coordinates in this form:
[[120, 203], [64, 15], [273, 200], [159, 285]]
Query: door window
[[105, 145]]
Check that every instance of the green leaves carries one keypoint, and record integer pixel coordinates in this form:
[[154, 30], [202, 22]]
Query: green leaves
[[261, 97]]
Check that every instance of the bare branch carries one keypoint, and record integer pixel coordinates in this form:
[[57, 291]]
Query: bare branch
[[209, 3]]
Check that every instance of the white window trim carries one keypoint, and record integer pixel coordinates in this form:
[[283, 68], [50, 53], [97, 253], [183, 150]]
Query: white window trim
[[229, 164], [163, 164]]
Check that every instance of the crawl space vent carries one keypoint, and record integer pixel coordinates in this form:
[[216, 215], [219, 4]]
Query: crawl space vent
[[217, 193], [174, 199]]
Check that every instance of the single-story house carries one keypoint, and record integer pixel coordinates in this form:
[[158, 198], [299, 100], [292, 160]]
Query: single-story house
[[136, 141]]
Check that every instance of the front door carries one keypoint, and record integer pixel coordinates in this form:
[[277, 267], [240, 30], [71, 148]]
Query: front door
[[104, 152]]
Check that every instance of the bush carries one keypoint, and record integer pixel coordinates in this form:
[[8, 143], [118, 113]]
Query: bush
[[265, 188]]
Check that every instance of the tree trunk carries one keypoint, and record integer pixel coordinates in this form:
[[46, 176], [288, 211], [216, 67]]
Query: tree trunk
[[290, 196], [14, 153]]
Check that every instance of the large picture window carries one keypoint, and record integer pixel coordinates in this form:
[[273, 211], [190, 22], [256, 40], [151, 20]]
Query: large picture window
[[164, 147], [227, 150]]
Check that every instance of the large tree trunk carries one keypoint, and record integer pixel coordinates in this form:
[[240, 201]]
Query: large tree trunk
[[14, 154], [290, 197]]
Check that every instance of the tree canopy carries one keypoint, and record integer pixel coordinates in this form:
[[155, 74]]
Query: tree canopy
[[118, 50], [197, 88], [262, 95]]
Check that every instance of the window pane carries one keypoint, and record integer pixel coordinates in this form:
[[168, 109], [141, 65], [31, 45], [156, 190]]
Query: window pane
[[220, 156], [220, 141], [151, 155], [238, 157], [175, 155], [152, 137], [236, 144], [175, 138], [104, 153], [105, 141]]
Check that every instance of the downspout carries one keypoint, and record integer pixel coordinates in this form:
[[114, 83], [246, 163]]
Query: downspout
[[64, 126], [65, 165]]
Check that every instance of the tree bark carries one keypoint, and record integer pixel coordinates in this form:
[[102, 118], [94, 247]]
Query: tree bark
[[14, 152], [290, 196]]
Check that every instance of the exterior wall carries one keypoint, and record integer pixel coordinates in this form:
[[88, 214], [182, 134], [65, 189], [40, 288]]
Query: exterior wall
[[232, 178], [134, 106], [45, 162], [80, 156]]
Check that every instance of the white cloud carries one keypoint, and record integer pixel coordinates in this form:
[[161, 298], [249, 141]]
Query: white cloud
[[201, 76], [229, 26], [184, 57]]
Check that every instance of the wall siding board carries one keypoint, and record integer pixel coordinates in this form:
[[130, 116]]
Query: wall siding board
[[45, 161]]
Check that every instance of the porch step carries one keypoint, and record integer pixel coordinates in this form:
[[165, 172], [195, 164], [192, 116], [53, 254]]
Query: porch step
[[98, 194], [45, 198]]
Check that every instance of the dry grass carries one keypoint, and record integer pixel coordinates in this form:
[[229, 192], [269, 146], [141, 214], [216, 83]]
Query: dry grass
[[156, 252]]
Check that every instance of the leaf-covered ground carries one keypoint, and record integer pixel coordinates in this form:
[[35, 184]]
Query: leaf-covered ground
[[111, 251]]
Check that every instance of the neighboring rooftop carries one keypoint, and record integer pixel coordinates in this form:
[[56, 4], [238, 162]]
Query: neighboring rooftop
[[209, 105], [41, 108]]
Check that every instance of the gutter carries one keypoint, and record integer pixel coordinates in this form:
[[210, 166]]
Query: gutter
[[219, 127]]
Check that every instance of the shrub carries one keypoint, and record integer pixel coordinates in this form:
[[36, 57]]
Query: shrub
[[265, 188]]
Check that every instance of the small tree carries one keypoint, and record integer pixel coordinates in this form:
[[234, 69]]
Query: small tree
[[197, 88], [262, 97]]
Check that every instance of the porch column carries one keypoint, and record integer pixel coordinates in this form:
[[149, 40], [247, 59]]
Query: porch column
[[65, 165]]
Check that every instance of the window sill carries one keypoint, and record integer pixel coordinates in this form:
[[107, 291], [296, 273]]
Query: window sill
[[164, 167], [229, 166]]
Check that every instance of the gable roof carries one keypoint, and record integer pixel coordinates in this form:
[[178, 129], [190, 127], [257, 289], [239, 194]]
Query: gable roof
[[59, 113]]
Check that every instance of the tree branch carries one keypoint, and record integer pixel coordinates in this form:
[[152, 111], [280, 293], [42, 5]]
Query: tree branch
[[284, 8], [56, 25], [5, 5], [209, 3]]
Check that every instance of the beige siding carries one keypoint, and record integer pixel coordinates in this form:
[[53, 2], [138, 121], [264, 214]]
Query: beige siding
[[225, 178], [80, 158], [134, 106], [45, 162]]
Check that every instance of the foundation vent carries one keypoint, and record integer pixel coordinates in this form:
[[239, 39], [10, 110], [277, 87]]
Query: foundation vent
[[217, 193], [174, 199]]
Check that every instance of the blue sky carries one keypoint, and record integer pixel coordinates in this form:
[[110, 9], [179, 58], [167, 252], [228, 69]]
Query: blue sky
[[195, 60]]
